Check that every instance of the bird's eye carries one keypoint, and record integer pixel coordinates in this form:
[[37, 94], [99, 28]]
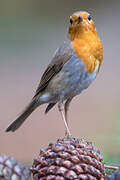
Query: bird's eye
[[89, 18], [71, 21]]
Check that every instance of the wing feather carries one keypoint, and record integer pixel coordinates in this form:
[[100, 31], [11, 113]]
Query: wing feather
[[61, 56]]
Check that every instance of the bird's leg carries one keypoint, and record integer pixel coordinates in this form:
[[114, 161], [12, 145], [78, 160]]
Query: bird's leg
[[66, 108], [61, 109]]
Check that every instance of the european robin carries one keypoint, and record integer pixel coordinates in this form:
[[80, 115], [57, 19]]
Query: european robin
[[72, 69]]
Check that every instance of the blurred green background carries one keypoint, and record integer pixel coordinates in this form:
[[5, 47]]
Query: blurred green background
[[30, 32]]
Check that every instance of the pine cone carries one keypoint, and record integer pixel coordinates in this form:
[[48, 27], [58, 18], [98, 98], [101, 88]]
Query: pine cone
[[10, 169], [68, 160]]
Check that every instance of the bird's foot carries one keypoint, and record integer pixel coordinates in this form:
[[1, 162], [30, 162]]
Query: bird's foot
[[68, 135]]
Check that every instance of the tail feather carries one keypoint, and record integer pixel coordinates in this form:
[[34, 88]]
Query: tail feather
[[19, 121]]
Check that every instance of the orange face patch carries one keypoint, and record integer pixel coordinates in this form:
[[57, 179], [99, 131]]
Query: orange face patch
[[85, 40]]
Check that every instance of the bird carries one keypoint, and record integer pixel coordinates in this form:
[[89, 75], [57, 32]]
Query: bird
[[73, 68]]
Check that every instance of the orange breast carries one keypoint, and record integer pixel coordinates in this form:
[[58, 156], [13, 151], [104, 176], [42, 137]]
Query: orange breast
[[89, 49]]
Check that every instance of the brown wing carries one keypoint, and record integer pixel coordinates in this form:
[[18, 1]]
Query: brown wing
[[62, 55]]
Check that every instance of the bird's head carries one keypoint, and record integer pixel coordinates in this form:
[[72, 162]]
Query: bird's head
[[80, 23]]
